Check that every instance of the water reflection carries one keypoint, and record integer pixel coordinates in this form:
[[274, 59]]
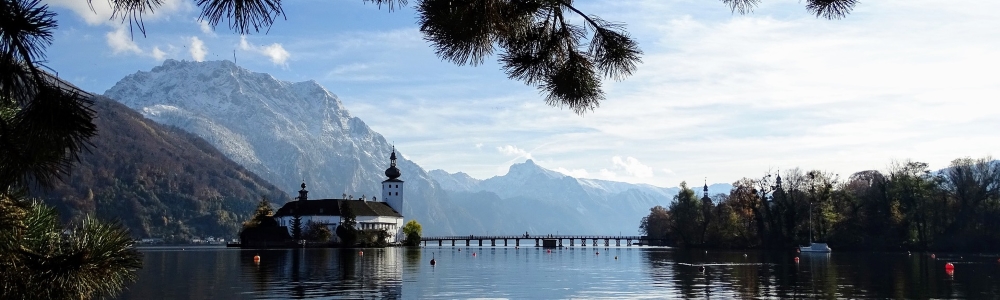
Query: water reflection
[[280, 274], [632, 272], [730, 274]]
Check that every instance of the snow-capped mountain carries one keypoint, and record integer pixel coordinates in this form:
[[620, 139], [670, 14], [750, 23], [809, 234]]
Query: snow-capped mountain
[[285, 132], [536, 195]]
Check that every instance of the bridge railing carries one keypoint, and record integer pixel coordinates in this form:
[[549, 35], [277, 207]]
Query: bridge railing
[[544, 236]]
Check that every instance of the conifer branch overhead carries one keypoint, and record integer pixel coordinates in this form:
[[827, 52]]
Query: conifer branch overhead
[[131, 11], [537, 43], [741, 6], [390, 4], [243, 15], [831, 9]]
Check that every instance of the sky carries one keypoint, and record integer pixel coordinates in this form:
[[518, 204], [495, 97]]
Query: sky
[[718, 96]]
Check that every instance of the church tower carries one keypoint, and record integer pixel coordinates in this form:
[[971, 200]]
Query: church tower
[[704, 195], [392, 188]]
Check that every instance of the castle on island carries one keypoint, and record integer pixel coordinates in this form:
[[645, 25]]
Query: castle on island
[[369, 213]]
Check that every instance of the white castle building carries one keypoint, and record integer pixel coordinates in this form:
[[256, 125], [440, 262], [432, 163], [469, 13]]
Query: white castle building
[[369, 214]]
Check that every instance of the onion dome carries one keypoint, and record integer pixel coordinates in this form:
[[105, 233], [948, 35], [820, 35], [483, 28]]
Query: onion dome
[[392, 172]]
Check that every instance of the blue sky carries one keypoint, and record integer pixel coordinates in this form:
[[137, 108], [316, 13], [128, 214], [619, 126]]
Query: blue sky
[[718, 95]]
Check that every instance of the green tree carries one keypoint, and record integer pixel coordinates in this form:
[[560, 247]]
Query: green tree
[[412, 230], [347, 231], [686, 216], [263, 215], [656, 225], [317, 232]]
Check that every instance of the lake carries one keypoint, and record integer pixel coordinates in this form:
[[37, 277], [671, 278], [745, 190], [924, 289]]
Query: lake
[[577, 272]]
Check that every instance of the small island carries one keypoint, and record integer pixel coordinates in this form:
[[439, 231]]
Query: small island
[[343, 222]]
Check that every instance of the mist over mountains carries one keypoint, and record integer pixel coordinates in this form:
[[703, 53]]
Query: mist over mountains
[[288, 133]]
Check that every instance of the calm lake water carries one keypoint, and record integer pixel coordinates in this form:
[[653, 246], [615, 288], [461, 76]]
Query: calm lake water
[[638, 272]]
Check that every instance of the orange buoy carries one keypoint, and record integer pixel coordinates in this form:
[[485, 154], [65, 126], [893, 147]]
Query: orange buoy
[[796, 260], [256, 258], [949, 267]]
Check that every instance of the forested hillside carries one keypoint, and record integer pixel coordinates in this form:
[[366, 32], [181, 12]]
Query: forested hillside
[[159, 181]]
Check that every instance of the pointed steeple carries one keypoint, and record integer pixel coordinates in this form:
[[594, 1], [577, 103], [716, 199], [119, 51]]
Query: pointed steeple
[[777, 181], [704, 195]]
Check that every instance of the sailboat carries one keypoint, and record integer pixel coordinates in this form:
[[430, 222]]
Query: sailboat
[[813, 246]]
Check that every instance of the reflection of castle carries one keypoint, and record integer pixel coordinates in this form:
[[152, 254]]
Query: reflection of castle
[[370, 214]]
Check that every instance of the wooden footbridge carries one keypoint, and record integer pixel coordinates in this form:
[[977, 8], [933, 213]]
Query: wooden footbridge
[[539, 241]]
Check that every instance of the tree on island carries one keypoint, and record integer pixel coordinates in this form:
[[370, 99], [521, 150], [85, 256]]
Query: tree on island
[[262, 228], [347, 231], [412, 231], [263, 215], [317, 232]]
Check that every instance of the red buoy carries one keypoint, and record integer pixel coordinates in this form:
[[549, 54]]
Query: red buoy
[[932, 256], [256, 258], [949, 267], [362, 253], [548, 251], [433, 261], [796, 260], [598, 253], [473, 253]]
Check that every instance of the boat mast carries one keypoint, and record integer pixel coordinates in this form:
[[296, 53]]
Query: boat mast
[[812, 188]]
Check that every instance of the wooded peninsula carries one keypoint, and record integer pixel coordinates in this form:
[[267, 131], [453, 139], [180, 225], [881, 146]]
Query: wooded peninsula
[[906, 207]]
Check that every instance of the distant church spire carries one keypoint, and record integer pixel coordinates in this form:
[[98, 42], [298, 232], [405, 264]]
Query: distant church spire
[[777, 182], [704, 195]]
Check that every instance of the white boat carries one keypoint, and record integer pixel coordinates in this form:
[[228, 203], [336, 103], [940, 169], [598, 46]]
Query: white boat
[[816, 247], [813, 246]]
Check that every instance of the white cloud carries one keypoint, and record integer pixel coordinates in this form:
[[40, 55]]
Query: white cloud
[[608, 174], [632, 166], [276, 52], [510, 150], [198, 49], [121, 42], [158, 54], [578, 173], [100, 12], [206, 28]]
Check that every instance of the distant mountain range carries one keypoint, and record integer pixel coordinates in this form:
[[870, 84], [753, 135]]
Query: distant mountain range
[[293, 132], [534, 199], [160, 181]]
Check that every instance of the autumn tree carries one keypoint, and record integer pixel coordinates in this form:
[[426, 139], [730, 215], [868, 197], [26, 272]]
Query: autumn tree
[[412, 231]]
